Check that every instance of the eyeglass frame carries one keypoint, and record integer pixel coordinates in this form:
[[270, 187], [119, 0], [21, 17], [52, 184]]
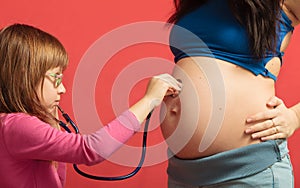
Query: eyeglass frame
[[58, 78]]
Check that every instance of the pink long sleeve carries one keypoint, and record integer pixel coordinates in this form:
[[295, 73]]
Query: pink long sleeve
[[27, 145], [35, 139], [105, 141]]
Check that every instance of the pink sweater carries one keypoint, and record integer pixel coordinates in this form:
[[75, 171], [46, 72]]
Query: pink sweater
[[27, 145]]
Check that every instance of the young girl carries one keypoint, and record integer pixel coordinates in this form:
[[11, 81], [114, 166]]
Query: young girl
[[32, 148]]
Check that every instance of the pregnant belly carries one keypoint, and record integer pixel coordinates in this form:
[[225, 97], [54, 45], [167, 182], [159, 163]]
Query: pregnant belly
[[209, 115]]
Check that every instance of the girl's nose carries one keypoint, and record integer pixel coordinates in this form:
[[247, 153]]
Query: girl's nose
[[61, 89]]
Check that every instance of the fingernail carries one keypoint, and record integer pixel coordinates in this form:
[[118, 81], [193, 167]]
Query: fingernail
[[272, 102], [248, 131], [254, 136], [248, 120]]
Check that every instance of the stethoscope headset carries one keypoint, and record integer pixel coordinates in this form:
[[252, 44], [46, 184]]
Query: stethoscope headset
[[116, 178]]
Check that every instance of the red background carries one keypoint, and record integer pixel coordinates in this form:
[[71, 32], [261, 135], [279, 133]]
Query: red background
[[78, 24]]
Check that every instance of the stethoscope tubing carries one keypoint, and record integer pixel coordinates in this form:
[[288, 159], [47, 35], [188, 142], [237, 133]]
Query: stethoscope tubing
[[107, 178]]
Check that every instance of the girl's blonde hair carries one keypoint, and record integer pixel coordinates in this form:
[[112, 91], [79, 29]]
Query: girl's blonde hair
[[26, 54]]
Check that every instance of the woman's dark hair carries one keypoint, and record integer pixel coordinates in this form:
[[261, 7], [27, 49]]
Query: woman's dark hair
[[259, 17]]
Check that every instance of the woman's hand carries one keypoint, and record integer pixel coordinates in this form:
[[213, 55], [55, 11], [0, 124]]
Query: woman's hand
[[278, 122]]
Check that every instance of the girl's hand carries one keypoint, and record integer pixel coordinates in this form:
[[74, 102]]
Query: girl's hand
[[278, 122], [160, 86]]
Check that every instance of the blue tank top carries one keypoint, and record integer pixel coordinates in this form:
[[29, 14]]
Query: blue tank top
[[212, 31]]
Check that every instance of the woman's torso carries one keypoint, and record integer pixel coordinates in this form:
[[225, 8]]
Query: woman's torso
[[224, 110], [210, 114]]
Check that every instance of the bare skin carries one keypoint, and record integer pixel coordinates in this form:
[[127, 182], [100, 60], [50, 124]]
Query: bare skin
[[280, 121], [186, 118]]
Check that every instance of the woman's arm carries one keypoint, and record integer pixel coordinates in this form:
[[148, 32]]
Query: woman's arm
[[279, 122], [292, 9]]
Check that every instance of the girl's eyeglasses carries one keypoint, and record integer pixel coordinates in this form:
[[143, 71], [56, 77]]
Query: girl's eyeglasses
[[57, 77]]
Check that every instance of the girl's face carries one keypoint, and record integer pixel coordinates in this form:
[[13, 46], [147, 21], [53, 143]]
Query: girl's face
[[52, 89]]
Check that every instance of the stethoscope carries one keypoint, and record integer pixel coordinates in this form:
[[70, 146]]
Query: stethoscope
[[116, 178]]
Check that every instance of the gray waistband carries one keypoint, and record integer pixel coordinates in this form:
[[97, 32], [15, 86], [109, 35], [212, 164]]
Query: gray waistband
[[227, 165]]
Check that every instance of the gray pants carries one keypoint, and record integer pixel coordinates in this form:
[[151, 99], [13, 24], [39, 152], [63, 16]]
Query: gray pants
[[265, 164]]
